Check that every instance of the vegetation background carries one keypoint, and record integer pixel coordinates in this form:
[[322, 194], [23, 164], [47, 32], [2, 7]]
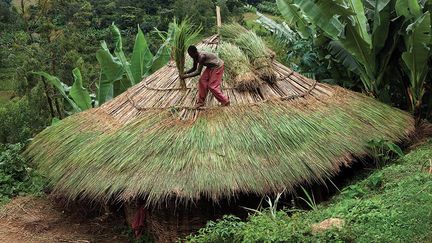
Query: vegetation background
[[60, 36]]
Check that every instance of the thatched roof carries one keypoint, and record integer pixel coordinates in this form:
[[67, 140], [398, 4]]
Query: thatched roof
[[150, 143]]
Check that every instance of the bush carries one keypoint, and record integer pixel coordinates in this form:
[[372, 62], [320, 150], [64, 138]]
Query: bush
[[17, 177], [22, 118]]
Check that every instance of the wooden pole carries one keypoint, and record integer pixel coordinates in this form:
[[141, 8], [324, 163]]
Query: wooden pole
[[218, 18]]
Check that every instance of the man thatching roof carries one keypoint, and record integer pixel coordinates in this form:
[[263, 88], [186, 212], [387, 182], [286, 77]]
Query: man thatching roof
[[150, 143]]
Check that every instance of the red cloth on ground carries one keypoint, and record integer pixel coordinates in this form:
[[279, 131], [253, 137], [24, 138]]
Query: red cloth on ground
[[211, 80], [138, 223]]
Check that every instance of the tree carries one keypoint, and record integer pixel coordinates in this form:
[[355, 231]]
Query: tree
[[200, 11]]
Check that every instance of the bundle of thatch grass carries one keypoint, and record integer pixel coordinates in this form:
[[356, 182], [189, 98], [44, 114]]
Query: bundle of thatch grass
[[231, 31], [237, 68], [185, 34], [254, 47]]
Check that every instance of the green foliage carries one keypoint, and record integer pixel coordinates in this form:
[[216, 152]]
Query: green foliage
[[383, 151], [22, 118], [365, 36], [17, 177], [63, 89], [78, 93], [114, 67], [300, 54], [390, 205], [185, 35], [418, 41], [201, 12], [224, 230]]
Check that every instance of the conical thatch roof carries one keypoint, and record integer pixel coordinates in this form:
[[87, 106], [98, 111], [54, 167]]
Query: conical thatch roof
[[150, 143]]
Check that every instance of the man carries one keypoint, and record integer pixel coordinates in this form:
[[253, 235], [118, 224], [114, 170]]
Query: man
[[211, 79]]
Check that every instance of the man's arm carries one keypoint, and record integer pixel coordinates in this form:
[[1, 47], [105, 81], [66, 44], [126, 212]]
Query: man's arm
[[194, 73], [193, 68]]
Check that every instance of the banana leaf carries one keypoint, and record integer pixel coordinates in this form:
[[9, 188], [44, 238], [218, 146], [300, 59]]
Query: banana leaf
[[61, 87], [111, 71], [141, 57], [78, 93], [418, 42]]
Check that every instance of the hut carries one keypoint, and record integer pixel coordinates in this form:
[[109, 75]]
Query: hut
[[150, 144]]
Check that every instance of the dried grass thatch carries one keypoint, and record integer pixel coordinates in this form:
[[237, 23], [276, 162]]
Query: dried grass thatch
[[254, 47], [149, 143], [238, 71]]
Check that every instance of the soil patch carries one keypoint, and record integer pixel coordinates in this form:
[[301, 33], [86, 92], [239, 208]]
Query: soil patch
[[31, 219]]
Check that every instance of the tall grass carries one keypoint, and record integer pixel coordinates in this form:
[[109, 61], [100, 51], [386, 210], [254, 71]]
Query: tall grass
[[185, 34], [238, 70]]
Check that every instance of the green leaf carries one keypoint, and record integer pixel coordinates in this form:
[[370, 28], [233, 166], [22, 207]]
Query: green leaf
[[118, 51], [360, 20], [323, 13], [342, 55], [141, 57], [163, 55], [111, 71], [381, 24], [60, 87], [78, 93], [408, 8], [359, 49], [394, 148], [294, 17], [418, 41]]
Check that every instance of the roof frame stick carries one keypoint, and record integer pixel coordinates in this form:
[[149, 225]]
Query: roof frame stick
[[218, 19]]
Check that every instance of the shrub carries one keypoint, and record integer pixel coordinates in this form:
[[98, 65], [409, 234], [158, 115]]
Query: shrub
[[22, 118], [17, 177]]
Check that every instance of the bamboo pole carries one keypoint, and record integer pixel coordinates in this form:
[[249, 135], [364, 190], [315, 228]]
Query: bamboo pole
[[218, 19]]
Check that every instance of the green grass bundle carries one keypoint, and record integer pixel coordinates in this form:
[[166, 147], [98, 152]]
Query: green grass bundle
[[254, 47], [185, 34], [237, 68], [231, 31], [261, 58]]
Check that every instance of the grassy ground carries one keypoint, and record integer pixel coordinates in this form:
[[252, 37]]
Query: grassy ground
[[393, 204], [5, 96]]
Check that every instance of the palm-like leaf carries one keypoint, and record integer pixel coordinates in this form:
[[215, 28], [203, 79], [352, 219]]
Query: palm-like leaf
[[61, 87], [111, 71], [78, 93], [141, 57], [294, 17], [282, 31], [416, 57]]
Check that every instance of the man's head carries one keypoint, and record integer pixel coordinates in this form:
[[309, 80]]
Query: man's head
[[193, 52]]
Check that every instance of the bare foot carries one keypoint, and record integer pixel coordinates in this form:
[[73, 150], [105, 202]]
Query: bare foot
[[199, 106], [227, 104]]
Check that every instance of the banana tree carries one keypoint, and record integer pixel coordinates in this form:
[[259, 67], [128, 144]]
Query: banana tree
[[76, 96], [418, 40], [114, 69], [366, 35], [118, 73]]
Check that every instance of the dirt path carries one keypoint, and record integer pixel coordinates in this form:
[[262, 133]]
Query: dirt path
[[30, 219]]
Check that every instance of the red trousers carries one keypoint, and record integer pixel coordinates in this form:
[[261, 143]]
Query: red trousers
[[211, 80]]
